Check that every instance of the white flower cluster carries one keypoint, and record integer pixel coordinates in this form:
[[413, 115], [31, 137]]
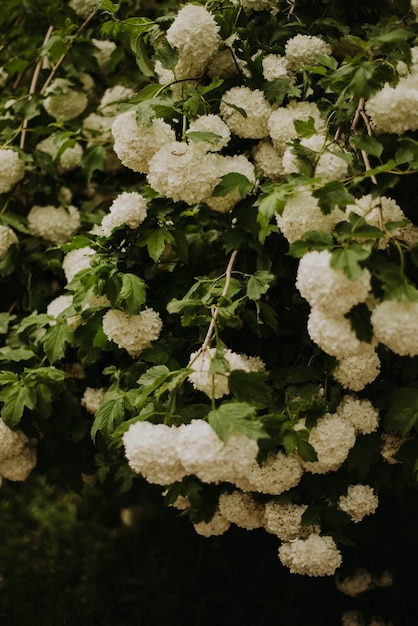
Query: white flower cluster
[[241, 509], [134, 144], [68, 160], [281, 125], [54, 224], [268, 160], [285, 520], [77, 260], [394, 109], [7, 239], [278, 473], [332, 438], [322, 285], [315, 556], [391, 442], [211, 124], [218, 525], [356, 372], [414, 7], [395, 324], [134, 333], [301, 50], [360, 413], [83, 8], [12, 169], [194, 33], [92, 399], [17, 454], [252, 125], [329, 163], [356, 584], [63, 101], [301, 214], [58, 306], [275, 66], [216, 385], [359, 502], [128, 208], [226, 165], [334, 334]]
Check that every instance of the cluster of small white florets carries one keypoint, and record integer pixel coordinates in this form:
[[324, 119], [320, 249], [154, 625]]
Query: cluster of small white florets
[[211, 124], [218, 525], [360, 413], [391, 442], [216, 385], [268, 160], [83, 8], [194, 33], [17, 454], [54, 224], [105, 49], [128, 208], [315, 556], [92, 399], [414, 7], [7, 239], [281, 127], [301, 50], [68, 160], [63, 101], [356, 372], [164, 454], [355, 618], [395, 324], [136, 144], [277, 474], [112, 97], [77, 260], [332, 437], [252, 125], [320, 284], [301, 214], [393, 109], [241, 509], [58, 306], [334, 334], [356, 584], [276, 66], [330, 163], [226, 165], [134, 333], [359, 502], [12, 169], [285, 520]]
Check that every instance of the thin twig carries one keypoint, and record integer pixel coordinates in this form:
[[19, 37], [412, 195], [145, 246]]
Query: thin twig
[[215, 310]]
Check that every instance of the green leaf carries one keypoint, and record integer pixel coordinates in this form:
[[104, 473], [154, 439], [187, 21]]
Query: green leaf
[[402, 414], [305, 128], [132, 294], [156, 241], [359, 317], [250, 387], [333, 194], [16, 398], [140, 51], [109, 415], [16, 355], [259, 284], [153, 377], [312, 240], [233, 181], [239, 417], [348, 260], [201, 136], [93, 158], [56, 339], [368, 144], [5, 319]]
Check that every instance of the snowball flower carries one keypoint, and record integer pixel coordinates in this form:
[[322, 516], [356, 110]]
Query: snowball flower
[[359, 582], [320, 284], [356, 372], [301, 214], [18, 468], [183, 172], [391, 442], [395, 324], [241, 509], [151, 452], [211, 124], [394, 109], [195, 35], [128, 208], [216, 385], [275, 66], [134, 333], [63, 101], [257, 110], [12, 169], [359, 502], [68, 160], [281, 125], [105, 49], [12, 442], [315, 556], [277, 474], [332, 438], [92, 399], [53, 224], [83, 8], [238, 164], [77, 260], [57, 306], [301, 50], [360, 413], [112, 97], [285, 520], [218, 525], [329, 163], [414, 7], [268, 160], [7, 239], [135, 145], [333, 333]]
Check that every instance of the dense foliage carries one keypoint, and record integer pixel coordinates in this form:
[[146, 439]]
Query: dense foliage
[[208, 266]]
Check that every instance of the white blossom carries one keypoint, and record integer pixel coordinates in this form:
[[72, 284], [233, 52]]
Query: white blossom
[[395, 324], [285, 520], [332, 438], [268, 160], [77, 260], [238, 164], [301, 50], [315, 556], [281, 125], [134, 333], [257, 109], [241, 509], [128, 208], [360, 413], [54, 224], [277, 474], [211, 124], [356, 584], [333, 333], [18, 467], [359, 502], [63, 101], [58, 306], [83, 8], [275, 66], [12, 169], [112, 97], [394, 109], [218, 525], [68, 160], [8, 238], [105, 49], [92, 399], [320, 284], [12, 442], [356, 372]]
